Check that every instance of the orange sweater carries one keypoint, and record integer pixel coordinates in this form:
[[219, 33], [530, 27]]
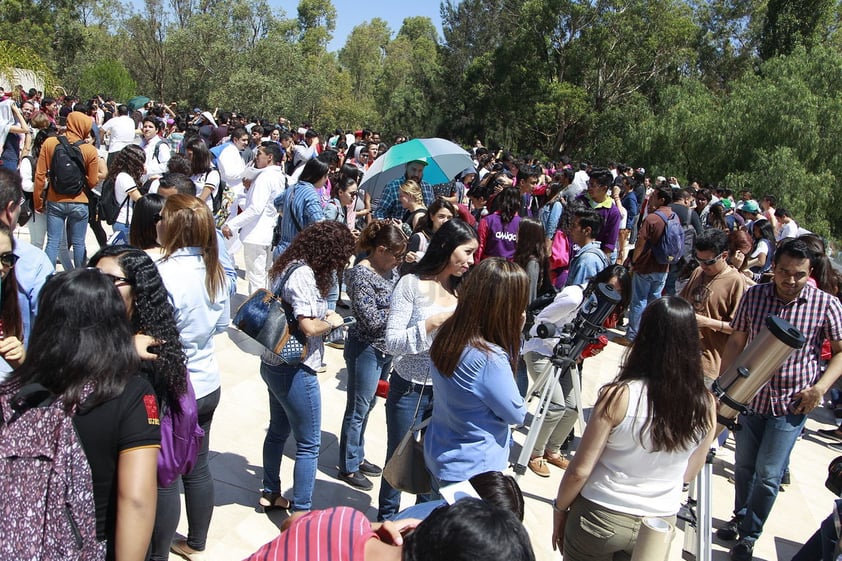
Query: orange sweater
[[78, 127]]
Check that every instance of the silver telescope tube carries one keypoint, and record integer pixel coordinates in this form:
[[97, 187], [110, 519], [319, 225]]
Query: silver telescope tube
[[753, 369], [653, 540]]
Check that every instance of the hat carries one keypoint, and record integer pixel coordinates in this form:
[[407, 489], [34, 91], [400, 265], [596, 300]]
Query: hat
[[422, 161], [726, 203], [751, 206], [196, 110], [467, 171]]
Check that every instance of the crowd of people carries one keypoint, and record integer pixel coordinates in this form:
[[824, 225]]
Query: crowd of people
[[439, 280]]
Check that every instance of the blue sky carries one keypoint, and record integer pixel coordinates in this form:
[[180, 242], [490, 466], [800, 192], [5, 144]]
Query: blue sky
[[350, 13]]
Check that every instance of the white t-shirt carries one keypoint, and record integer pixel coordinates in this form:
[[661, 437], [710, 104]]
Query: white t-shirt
[[121, 132], [788, 230], [123, 184], [210, 178]]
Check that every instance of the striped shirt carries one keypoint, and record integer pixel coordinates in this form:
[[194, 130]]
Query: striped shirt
[[334, 534], [816, 314]]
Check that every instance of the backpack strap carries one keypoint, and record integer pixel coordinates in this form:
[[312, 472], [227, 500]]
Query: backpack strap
[[77, 159]]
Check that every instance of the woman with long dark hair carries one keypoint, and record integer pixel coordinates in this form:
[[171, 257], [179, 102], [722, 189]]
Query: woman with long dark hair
[[195, 280], [648, 434], [533, 255], [474, 357], [497, 231], [81, 350], [441, 210], [760, 259], [421, 302], [11, 324], [125, 171], [310, 265], [202, 173], [143, 233], [370, 284]]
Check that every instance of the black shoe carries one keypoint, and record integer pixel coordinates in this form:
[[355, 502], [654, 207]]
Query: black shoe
[[835, 434], [357, 480], [743, 551], [786, 479], [370, 469], [730, 531]]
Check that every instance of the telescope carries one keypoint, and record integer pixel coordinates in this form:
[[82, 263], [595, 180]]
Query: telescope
[[574, 337], [753, 369]]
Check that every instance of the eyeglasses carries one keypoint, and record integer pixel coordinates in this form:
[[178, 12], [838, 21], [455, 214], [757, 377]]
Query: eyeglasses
[[399, 255], [8, 259], [709, 261], [117, 280], [352, 194]]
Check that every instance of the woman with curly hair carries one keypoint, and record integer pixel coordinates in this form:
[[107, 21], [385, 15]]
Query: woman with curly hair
[[11, 324], [195, 280], [309, 265], [126, 170]]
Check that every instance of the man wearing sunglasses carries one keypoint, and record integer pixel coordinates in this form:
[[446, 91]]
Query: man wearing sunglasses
[[715, 289]]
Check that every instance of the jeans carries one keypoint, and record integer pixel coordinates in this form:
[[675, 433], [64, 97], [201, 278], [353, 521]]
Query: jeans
[[645, 288], [76, 217], [295, 405], [400, 416], [763, 447], [365, 366], [198, 494]]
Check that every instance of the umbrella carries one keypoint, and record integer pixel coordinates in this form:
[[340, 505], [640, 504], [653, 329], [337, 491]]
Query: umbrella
[[444, 161], [137, 102]]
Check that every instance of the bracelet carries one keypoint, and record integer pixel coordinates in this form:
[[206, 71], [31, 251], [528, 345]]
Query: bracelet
[[559, 510]]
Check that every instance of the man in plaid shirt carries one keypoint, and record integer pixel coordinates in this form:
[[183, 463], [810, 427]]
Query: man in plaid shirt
[[767, 438], [389, 206]]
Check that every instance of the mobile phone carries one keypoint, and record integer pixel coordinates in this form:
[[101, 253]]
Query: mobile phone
[[349, 320]]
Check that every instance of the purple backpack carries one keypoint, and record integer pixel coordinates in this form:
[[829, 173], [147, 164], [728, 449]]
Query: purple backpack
[[181, 439], [47, 508]]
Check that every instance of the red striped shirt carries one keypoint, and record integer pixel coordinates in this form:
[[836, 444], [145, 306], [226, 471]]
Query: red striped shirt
[[334, 534]]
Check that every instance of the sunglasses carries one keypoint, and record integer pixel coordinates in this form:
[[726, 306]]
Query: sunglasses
[[710, 261], [8, 259]]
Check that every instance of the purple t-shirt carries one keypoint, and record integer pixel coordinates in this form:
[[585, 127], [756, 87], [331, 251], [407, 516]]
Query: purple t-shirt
[[501, 240]]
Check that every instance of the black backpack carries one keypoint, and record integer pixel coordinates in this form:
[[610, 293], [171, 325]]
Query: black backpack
[[67, 172], [109, 208]]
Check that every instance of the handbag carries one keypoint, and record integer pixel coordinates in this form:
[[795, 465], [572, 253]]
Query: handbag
[[270, 321], [181, 439], [406, 469]]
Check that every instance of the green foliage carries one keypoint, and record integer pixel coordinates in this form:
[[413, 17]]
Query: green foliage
[[109, 77], [13, 55]]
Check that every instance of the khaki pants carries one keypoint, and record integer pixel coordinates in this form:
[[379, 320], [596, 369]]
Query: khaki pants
[[596, 533]]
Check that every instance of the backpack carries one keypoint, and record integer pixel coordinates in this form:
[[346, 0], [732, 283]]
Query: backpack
[[670, 247], [46, 486], [221, 202], [67, 172], [109, 208], [181, 439]]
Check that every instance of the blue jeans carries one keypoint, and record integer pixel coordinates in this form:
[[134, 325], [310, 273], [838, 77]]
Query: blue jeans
[[365, 366], [76, 217], [295, 405], [400, 407], [763, 446], [645, 288]]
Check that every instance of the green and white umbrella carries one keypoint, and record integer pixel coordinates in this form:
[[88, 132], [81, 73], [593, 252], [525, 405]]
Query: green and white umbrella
[[444, 161]]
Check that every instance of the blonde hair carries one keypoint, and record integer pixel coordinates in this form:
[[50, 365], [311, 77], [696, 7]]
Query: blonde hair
[[412, 189], [188, 222]]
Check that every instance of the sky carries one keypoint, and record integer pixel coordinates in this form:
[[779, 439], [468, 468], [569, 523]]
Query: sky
[[350, 13]]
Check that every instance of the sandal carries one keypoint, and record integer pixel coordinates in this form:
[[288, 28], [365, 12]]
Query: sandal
[[272, 501]]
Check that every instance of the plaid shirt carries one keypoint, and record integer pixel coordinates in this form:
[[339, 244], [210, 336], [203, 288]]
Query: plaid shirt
[[816, 314], [390, 207]]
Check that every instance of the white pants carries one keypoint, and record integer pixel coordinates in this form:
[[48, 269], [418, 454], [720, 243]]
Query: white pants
[[258, 259]]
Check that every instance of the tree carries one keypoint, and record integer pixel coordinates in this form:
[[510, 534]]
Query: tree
[[316, 21], [109, 77], [790, 24], [363, 54]]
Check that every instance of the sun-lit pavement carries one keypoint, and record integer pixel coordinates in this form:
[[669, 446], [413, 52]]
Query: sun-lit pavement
[[240, 422]]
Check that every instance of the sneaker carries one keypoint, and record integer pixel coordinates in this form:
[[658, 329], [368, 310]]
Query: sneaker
[[539, 466], [743, 551], [357, 480], [730, 531], [180, 547], [370, 469], [557, 460], [624, 341]]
